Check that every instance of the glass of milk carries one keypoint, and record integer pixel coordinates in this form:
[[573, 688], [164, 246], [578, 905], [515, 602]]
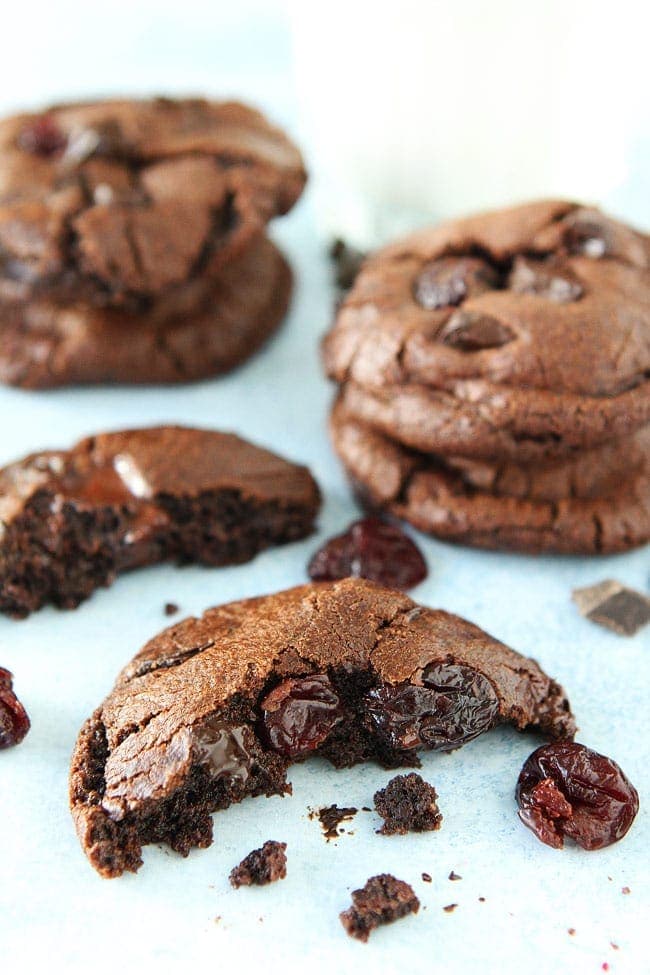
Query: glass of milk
[[418, 110]]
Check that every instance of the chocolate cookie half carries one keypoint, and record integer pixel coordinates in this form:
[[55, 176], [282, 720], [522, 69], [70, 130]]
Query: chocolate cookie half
[[523, 332], [200, 330], [119, 201], [71, 520], [575, 506], [215, 709]]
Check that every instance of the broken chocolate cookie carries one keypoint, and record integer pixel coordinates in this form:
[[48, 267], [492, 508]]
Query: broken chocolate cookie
[[215, 709], [70, 521]]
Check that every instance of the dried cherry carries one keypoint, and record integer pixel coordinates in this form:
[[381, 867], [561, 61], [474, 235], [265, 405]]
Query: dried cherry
[[566, 789], [14, 723], [370, 549], [452, 704], [43, 137], [299, 714]]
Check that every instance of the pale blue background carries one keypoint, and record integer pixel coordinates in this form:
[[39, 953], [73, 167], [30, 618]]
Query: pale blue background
[[54, 911]]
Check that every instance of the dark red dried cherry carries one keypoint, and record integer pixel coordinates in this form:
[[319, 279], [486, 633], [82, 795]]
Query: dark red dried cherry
[[42, 137], [370, 549], [452, 704], [566, 789], [14, 723], [450, 280], [299, 714]]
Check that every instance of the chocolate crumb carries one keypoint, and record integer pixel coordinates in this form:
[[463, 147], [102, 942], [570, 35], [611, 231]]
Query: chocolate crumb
[[613, 945], [332, 816], [450, 908], [625, 890], [454, 876], [366, 809], [408, 804], [260, 867], [482, 900], [382, 900], [347, 262], [171, 609], [614, 606], [427, 878], [571, 931]]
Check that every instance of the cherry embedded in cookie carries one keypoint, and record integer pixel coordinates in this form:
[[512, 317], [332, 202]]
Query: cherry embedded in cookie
[[449, 280], [43, 137], [452, 705], [14, 723], [565, 789], [299, 714], [370, 549]]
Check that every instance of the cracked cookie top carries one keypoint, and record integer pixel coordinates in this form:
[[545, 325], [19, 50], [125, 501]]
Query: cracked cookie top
[[548, 296], [119, 201], [237, 652]]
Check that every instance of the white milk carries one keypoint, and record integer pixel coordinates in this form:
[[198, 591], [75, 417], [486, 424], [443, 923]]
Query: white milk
[[416, 111]]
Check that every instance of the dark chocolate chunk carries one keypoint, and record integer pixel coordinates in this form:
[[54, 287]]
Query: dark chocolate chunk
[[382, 900], [472, 331], [614, 606], [14, 722]]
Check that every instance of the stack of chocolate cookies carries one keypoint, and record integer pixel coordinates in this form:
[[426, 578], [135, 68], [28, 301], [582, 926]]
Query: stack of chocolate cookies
[[494, 380], [132, 240]]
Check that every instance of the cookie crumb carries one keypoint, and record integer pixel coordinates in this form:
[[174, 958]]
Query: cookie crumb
[[427, 878], [332, 816], [262, 866], [625, 890], [482, 900], [450, 908], [382, 900], [454, 876], [408, 804], [171, 609], [613, 945], [614, 606], [347, 261], [571, 931]]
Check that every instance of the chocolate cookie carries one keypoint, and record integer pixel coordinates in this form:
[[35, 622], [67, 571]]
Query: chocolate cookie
[[71, 520], [523, 511], [215, 709], [119, 201], [201, 330], [523, 332]]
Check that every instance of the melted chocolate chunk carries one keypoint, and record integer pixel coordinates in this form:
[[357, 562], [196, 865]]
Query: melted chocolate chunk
[[222, 748], [449, 280], [471, 331], [542, 279]]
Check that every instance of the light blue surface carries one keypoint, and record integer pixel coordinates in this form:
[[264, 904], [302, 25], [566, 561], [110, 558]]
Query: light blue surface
[[55, 912]]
